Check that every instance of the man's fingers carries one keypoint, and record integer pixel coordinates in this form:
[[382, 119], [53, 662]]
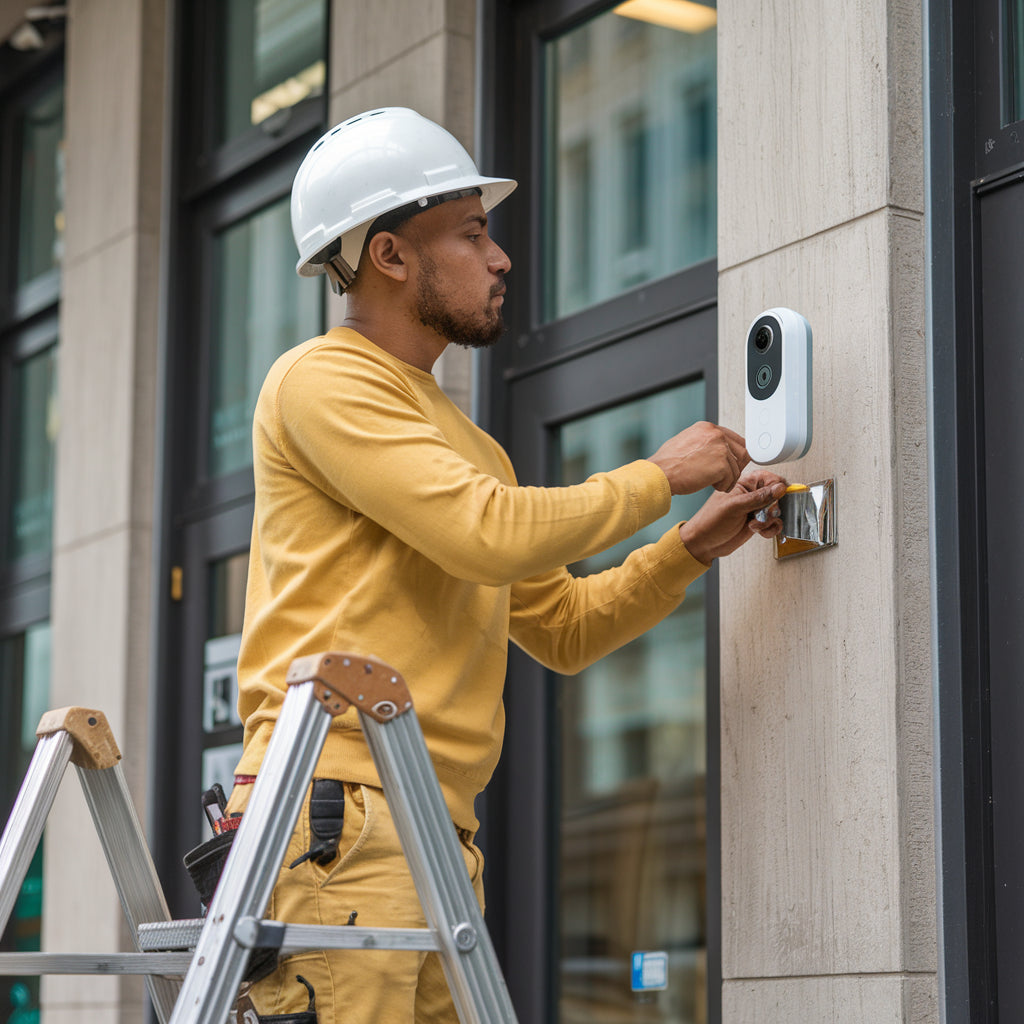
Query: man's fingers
[[728, 482], [737, 446], [733, 436], [752, 501]]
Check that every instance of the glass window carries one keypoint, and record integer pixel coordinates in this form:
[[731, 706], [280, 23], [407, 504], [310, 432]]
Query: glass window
[[272, 59], [1013, 88], [228, 577], [632, 854], [630, 164], [24, 694], [41, 192], [262, 308], [35, 424]]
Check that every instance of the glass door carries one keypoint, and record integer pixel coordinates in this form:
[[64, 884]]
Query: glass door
[[602, 822], [632, 870], [601, 826]]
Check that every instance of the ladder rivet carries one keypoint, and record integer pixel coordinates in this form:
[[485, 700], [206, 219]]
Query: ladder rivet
[[368, 669], [92, 721], [394, 679], [465, 937], [346, 662]]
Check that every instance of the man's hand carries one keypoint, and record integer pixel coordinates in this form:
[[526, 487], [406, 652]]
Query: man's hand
[[704, 455], [726, 521]]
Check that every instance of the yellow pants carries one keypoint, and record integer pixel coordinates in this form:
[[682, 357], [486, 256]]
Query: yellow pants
[[369, 876]]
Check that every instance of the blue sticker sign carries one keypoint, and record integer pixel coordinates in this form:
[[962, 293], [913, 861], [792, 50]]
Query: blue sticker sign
[[650, 972]]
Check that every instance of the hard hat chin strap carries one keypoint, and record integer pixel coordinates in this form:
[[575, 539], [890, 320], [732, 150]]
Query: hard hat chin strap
[[339, 273]]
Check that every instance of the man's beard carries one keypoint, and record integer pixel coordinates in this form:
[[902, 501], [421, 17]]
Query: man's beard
[[481, 331]]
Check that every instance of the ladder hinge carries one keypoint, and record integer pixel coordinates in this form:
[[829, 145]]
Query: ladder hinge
[[177, 575]]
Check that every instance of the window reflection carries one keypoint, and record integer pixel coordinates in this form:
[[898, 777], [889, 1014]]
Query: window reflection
[[35, 437], [41, 189], [228, 577], [273, 59], [631, 163], [633, 810], [263, 308]]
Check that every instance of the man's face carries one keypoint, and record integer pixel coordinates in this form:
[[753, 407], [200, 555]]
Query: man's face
[[460, 273]]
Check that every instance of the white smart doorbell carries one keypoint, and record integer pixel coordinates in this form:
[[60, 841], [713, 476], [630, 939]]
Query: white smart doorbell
[[778, 406]]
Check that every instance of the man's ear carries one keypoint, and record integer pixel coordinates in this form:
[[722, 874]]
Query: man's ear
[[386, 252]]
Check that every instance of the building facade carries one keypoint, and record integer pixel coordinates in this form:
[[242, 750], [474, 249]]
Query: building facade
[[800, 790]]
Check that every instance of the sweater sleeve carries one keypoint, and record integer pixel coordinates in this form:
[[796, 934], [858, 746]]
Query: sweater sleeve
[[372, 447], [569, 622]]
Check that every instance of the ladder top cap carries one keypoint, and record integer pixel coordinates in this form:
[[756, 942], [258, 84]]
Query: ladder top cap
[[343, 680], [94, 742]]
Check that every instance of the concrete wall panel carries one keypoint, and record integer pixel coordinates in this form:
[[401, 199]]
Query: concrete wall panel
[[104, 486], [803, 120], [887, 1000], [827, 818], [826, 757]]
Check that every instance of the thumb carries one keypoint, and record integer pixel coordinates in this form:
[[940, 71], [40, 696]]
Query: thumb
[[762, 497]]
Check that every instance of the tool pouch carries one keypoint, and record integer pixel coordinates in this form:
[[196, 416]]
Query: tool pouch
[[204, 864], [246, 1013], [326, 817]]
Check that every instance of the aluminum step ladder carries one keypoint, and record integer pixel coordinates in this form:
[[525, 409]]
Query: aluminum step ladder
[[212, 953]]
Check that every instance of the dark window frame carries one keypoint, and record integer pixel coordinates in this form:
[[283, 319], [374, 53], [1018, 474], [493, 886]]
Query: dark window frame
[[969, 152], [29, 325], [525, 372], [29, 320], [203, 517]]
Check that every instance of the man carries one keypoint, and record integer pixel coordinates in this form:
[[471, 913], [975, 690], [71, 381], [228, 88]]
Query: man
[[387, 523]]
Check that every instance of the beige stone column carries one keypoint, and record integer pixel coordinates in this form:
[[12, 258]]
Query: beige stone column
[[102, 564], [828, 877], [393, 53]]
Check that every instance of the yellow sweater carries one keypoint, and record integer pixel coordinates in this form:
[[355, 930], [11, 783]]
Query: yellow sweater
[[388, 524]]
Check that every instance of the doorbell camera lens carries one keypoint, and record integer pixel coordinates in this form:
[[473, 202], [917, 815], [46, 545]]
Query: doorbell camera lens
[[763, 338]]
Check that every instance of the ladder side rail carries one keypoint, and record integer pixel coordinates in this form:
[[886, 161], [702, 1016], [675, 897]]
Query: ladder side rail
[[435, 860], [219, 961], [131, 866], [28, 816]]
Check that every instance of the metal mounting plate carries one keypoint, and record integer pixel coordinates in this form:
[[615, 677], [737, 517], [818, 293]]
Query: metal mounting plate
[[808, 520]]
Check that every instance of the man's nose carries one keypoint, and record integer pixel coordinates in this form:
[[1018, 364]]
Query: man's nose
[[499, 262]]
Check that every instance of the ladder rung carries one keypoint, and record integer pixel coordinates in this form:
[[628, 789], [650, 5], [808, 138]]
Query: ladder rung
[[174, 964], [289, 938]]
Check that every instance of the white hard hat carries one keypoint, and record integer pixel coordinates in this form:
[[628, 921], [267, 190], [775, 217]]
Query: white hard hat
[[372, 164]]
